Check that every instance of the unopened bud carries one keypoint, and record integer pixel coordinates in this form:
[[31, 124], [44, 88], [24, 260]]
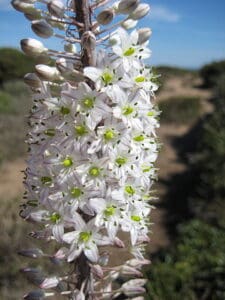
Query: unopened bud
[[38, 295], [30, 1], [105, 17], [32, 80], [119, 243], [104, 259], [56, 24], [47, 73], [141, 11], [56, 8], [32, 253], [49, 283], [34, 15], [23, 6], [143, 35], [127, 6], [35, 295], [42, 28], [70, 48], [129, 23], [32, 47], [64, 66], [127, 270], [133, 287], [97, 271], [34, 275]]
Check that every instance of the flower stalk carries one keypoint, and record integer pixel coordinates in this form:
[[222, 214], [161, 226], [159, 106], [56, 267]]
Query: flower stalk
[[92, 147]]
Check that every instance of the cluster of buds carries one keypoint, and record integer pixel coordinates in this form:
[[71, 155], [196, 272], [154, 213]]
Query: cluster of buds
[[92, 146]]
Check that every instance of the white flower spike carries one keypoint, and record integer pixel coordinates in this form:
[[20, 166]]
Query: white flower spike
[[92, 146]]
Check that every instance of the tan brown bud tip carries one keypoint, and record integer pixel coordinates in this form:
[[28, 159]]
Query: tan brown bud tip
[[105, 17]]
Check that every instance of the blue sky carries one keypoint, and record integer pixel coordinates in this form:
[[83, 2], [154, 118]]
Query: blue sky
[[186, 33]]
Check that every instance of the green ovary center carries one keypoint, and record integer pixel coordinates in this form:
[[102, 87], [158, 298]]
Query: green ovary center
[[146, 169], [75, 192], [127, 110], [67, 162], [121, 160], [88, 102], [135, 218], [84, 236], [109, 211], [139, 138], [109, 135], [64, 110], [107, 77], [46, 180], [55, 217], [129, 190], [49, 132], [151, 114], [94, 171], [140, 79], [130, 51], [80, 130]]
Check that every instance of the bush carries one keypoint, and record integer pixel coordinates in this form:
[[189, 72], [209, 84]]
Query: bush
[[210, 73], [14, 64], [193, 269], [181, 110]]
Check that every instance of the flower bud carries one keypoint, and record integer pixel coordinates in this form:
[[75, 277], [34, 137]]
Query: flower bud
[[127, 6], [49, 283], [34, 15], [141, 11], [114, 39], [105, 17], [143, 35], [64, 66], [128, 24], [133, 287], [23, 6], [70, 48], [59, 25], [56, 8], [34, 275], [47, 73], [29, 1], [97, 271], [32, 253], [38, 295], [32, 80], [32, 47], [35, 295], [42, 28]]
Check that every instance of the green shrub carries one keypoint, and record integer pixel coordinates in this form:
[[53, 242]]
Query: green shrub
[[193, 269], [14, 64], [181, 110], [211, 72], [5, 103]]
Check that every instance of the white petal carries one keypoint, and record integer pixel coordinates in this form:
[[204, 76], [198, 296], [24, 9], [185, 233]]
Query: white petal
[[92, 253], [92, 73], [98, 204], [58, 231]]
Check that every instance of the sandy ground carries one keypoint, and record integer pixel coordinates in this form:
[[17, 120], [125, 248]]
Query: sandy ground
[[11, 176]]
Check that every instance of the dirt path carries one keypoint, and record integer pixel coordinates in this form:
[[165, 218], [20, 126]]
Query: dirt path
[[11, 179]]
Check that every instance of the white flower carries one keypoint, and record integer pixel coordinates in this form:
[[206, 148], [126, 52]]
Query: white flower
[[108, 213], [85, 238], [129, 49]]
